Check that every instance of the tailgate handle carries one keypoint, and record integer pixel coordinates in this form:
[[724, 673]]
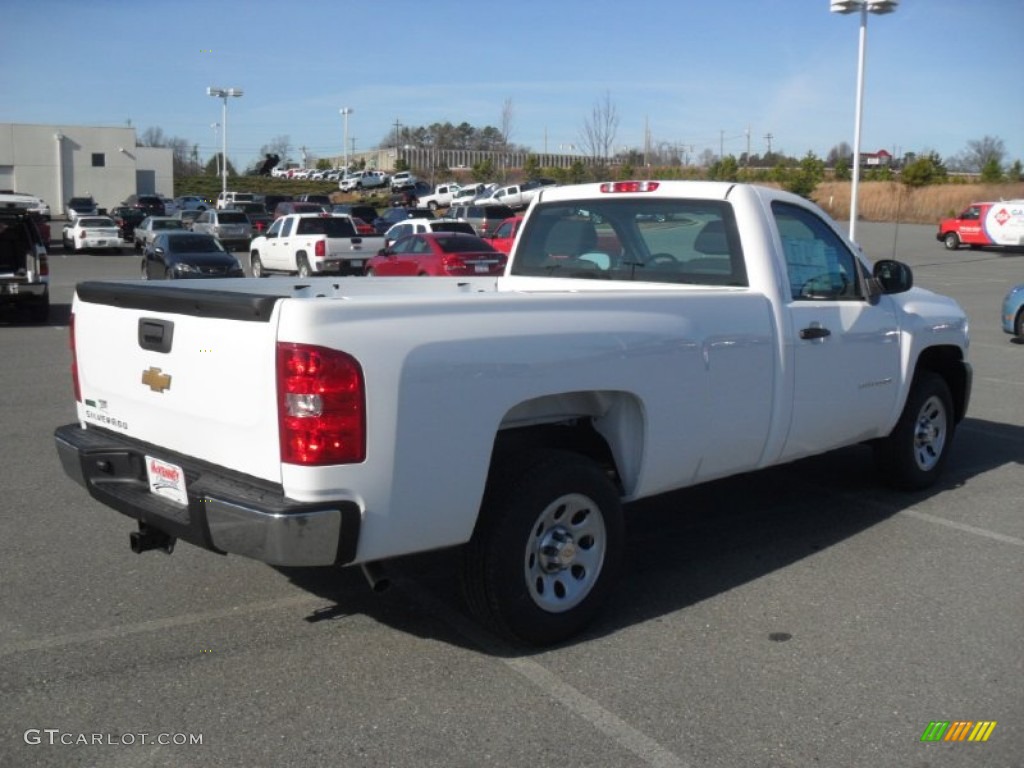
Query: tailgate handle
[[156, 335]]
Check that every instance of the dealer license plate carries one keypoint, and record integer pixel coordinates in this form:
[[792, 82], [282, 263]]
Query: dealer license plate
[[166, 480]]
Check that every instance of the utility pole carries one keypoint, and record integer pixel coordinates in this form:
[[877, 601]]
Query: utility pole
[[721, 145], [398, 134], [768, 137], [747, 163]]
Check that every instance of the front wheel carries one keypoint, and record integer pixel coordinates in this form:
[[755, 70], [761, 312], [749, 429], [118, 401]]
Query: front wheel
[[1018, 326], [546, 550], [257, 265], [951, 241], [914, 454]]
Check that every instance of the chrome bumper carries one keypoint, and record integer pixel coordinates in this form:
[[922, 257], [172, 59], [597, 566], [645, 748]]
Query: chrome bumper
[[226, 512]]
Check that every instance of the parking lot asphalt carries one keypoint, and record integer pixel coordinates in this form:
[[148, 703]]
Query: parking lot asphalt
[[804, 615]]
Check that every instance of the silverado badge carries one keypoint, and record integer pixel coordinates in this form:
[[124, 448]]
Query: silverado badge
[[156, 379]]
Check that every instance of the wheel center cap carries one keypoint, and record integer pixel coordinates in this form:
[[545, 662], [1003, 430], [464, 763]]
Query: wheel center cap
[[557, 550]]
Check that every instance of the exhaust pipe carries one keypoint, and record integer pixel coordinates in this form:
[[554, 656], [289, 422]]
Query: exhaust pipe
[[147, 538], [376, 576]]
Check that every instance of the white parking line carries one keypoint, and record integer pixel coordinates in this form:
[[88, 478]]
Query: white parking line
[[126, 630], [584, 707], [963, 527]]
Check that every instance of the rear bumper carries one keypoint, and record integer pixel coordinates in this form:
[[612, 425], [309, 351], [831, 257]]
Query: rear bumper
[[226, 512], [14, 291]]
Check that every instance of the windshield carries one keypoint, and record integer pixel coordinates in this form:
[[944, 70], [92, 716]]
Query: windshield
[[167, 224], [653, 240], [194, 244], [462, 244], [327, 225]]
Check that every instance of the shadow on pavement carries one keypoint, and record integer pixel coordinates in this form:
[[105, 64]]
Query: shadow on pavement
[[686, 546]]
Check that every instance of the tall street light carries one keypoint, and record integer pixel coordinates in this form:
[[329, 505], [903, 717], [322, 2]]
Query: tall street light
[[345, 112], [224, 93], [865, 7]]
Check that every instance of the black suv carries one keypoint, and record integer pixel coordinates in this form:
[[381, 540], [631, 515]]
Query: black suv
[[150, 204], [24, 270]]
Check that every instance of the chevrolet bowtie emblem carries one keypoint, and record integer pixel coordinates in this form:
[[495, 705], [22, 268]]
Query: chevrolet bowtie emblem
[[156, 379]]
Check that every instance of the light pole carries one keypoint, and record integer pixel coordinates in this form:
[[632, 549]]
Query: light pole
[[216, 132], [345, 112], [224, 93], [865, 7]]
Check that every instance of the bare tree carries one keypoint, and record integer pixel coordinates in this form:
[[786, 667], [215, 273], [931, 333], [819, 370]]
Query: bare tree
[[507, 120], [599, 130], [841, 151], [279, 145], [153, 137], [981, 152]]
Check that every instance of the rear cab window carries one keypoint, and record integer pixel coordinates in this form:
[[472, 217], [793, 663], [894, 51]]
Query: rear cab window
[[692, 242]]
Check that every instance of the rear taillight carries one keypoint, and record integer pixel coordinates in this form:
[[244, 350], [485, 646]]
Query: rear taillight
[[74, 359], [321, 406], [320, 250]]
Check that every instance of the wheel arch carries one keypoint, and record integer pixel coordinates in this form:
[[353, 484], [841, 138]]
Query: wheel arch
[[948, 362], [606, 426]]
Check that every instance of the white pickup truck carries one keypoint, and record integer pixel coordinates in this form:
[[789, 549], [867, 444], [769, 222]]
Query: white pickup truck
[[441, 197], [515, 196], [646, 336], [306, 244]]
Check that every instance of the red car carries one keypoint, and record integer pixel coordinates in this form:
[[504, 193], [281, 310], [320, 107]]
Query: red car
[[505, 234], [441, 254]]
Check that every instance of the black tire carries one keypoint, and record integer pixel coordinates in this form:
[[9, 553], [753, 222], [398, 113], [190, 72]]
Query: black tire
[[951, 241], [914, 454], [370, 272], [145, 274], [169, 274], [1018, 325], [303, 266], [256, 265], [39, 312], [546, 551], [432, 205]]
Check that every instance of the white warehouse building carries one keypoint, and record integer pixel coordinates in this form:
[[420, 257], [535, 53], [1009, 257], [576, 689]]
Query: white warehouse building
[[58, 162]]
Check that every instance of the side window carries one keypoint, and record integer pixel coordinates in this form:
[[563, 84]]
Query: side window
[[275, 228], [287, 226], [819, 264]]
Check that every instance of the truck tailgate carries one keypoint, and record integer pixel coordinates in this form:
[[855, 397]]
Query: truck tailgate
[[192, 371]]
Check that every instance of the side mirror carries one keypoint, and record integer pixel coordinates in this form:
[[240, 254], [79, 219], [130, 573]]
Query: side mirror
[[893, 276]]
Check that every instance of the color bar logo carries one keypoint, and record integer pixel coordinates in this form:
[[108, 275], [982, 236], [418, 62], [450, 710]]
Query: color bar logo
[[958, 730]]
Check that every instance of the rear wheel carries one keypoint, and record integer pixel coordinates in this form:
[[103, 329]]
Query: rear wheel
[[951, 241], [1018, 326], [546, 550], [914, 454], [303, 265]]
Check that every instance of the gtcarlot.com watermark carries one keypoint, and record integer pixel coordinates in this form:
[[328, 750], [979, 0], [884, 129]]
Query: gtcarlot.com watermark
[[55, 736]]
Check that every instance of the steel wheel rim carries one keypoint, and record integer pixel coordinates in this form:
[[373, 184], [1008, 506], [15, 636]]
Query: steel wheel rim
[[930, 433], [565, 553]]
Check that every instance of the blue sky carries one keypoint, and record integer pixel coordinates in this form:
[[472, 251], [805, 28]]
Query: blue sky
[[939, 73]]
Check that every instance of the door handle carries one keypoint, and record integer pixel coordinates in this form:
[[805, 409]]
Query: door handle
[[815, 332]]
